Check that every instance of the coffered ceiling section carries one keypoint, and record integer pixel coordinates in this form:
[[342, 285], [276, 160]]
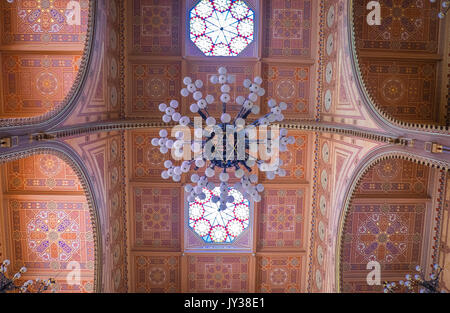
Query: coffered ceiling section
[[166, 255], [42, 43], [46, 222], [387, 222], [402, 59], [283, 52]]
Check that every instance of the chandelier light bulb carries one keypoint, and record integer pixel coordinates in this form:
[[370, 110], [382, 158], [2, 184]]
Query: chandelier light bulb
[[198, 83], [187, 80]]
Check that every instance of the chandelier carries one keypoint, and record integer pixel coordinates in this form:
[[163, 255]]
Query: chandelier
[[445, 5], [228, 145], [9, 284], [417, 282]]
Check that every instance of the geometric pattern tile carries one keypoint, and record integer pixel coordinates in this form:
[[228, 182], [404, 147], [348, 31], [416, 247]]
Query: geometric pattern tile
[[42, 22], [220, 273], [157, 218], [287, 28], [404, 89], [153, 84], [395, 178], [49, 233], [34, 84], [405, 26], [147, 160], [294, 160], [277, 274], [390, 234], [204, 71], [156, 27], [42, 172], [289, 84], [158, 274], [281, 219]]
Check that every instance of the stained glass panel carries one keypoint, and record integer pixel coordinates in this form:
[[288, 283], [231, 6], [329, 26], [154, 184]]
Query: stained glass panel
[[221, 27], [214, 225]]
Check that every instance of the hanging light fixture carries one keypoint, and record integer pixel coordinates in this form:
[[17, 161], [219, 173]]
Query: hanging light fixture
[[417, 282], [30, 286], [229, 145], [445, 5]]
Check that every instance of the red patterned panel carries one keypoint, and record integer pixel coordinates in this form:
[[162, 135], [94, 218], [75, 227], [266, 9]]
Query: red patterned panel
[[395, 177], [205, 70], [404, 89], [153, 84], [42, 22], [405, 26], [42, 172], [116, 201], [50, 232], [281, 219], [222, 274], [287, 28], [159, 274], [289, 84], [388, 233], [148, 161], [34, 84], [156, 218], [156, 27], [279, 274], [294, 160]]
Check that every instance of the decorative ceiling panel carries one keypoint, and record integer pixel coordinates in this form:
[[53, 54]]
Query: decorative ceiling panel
[[289, 83], [205, 69], [389, 233], [296, 160], [281, 219], [156, 27], [280, 274], [152, 84], [49, 232], [218, 273], [41, 172], [34, 84], [147, 160], [405, 26], [43, 23], [156, 274], [156, 217], [405, 89], [287, 28], [395, 178]]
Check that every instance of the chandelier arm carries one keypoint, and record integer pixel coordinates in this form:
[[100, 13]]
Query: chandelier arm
[[202, 115]]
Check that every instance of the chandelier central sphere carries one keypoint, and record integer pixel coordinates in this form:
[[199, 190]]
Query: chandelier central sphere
[[231, 145]]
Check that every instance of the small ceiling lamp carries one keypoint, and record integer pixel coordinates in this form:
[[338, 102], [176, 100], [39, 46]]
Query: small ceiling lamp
[[30, 286], [417, 282]]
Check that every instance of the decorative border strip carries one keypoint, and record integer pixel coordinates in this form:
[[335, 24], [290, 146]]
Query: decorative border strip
[[64, 153], [356, 179], [366, 96], [69, 100], [320, 65], [313, 210], [439, 209]]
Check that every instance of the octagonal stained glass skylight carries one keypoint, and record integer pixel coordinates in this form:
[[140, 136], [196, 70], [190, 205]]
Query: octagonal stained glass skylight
[[221, 27], [214, 225]]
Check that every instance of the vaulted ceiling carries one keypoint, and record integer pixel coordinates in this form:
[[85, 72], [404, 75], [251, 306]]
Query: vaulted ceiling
[[40, 55]]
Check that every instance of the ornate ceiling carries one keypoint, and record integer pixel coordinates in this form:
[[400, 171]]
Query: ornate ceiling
[[355, 188], [46, 221], [35, 83], [402, 59]]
